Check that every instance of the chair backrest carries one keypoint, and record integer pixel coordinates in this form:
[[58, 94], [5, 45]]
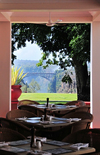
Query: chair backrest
[[7, 134], [16, 126], [37, 111], [60, 113], [85, 108], [27, 102], [19, 113], [77, 102], [82, 115], [59, 104], [55, 133], [80, 125], [91, 136], [58, 133]]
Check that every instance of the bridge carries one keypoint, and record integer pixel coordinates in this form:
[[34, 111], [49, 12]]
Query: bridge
[[47, 76]]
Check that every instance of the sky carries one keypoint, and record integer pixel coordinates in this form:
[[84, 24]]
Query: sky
[[30, 52]]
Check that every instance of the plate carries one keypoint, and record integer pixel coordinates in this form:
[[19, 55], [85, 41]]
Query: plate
[[32, 121], [34, 118]]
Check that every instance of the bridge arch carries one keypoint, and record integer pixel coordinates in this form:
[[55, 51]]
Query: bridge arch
[[47, 76]]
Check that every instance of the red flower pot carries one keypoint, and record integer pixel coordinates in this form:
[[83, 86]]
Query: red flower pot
[[15, 92]]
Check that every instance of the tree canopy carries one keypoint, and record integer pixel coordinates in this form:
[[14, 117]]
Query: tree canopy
[[69, 46]]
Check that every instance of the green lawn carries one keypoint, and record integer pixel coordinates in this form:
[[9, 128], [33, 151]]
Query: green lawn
[[52, 96]]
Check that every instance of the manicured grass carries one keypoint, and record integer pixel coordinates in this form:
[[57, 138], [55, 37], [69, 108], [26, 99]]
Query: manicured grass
[[52, 96]]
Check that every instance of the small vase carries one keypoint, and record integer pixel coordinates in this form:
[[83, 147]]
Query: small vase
[[15, 92]]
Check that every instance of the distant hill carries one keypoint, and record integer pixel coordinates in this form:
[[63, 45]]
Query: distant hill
[[30, 66]]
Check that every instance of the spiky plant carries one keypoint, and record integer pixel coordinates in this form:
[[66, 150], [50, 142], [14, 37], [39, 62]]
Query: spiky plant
[[16, 75]]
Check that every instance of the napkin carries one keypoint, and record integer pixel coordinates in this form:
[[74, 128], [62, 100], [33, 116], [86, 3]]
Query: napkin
[[78, 146], [42, 139], [49, 118]]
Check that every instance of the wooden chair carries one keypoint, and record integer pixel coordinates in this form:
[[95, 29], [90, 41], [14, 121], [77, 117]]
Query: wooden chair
[[59, 104], [54, 133], [77, 102], [19, 113], [82, 124], [66, 111], [91, 136], [16, 126], [27, 102], [7, 134], [85, 108], [36, 111], [60, 113], [58, 133], [82, 115]]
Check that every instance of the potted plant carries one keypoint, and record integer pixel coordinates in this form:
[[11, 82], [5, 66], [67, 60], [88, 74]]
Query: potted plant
[[16, 77]]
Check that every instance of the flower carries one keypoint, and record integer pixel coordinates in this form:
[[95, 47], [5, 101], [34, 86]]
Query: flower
[[16, 75]]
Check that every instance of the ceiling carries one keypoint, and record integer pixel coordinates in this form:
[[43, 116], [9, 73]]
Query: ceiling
[[37, 11]]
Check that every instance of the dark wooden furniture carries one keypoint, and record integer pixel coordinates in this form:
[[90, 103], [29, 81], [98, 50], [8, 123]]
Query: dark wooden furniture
[[48, 147], [16, 126], [33, 109], [91, 136], [19, 113], [83, 115], [27, 102], [7, 134]]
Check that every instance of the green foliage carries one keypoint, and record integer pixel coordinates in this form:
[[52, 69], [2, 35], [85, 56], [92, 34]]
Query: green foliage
[[69, 46], [24, 88], [67, 78], [59, 75], [33, 87], [72, 40], [52, 85], [57, 81]]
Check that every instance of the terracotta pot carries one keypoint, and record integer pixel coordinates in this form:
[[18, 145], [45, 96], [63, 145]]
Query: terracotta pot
[[15, 92]]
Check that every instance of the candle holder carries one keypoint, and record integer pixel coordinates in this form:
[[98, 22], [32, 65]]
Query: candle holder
[[33, 142], [45, 114], [47, 102]]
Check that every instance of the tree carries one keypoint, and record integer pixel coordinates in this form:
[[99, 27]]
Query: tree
[[52, 85], [56, 84], [69, 46], [33, 87]]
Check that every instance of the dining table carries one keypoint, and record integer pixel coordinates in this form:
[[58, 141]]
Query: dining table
[[39, 122], [48, 147], [54, 107]]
